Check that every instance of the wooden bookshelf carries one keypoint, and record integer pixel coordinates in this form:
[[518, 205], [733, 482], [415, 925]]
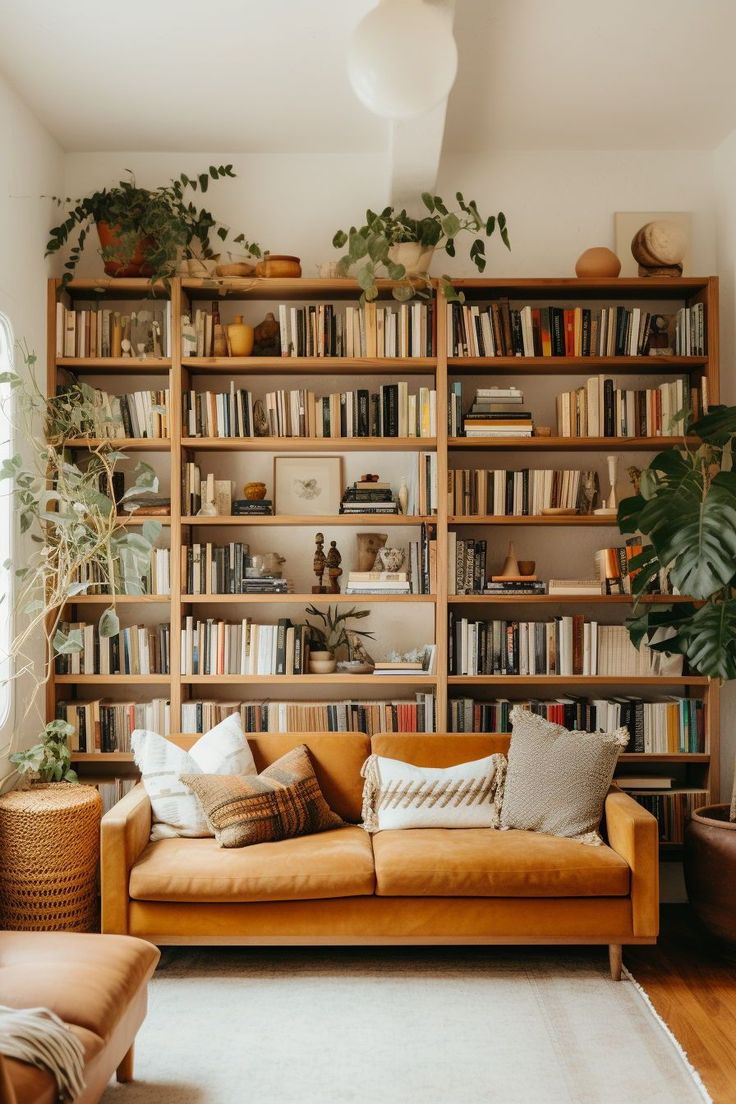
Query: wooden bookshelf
[[343, 372]]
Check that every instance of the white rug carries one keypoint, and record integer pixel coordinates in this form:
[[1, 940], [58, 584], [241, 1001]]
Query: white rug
[[398, 1026]]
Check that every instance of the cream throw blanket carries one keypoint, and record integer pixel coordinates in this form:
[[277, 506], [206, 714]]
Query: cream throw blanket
[[38, 1036]]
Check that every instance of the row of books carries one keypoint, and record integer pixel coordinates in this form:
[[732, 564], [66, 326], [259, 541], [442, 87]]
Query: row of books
[[567, 645], [94, 331], [101, 726], [498, 329], [136, 650], [137, 414], [224, 569], [656, 727], [244, 648], [522, 493], [198, 490], [111, 792], [601, 409], [157, 579], [350, 715], [389, 412], [672, 811], [376, 330]]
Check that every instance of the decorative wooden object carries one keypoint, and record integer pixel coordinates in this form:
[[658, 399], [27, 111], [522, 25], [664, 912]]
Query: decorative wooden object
[[334, 571], [319, 564]]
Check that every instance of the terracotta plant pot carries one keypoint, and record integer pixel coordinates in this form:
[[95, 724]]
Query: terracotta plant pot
[[110, 239], [710, 871], [415, 258]]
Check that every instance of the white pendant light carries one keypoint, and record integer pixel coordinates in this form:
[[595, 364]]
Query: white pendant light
[[402, 58]]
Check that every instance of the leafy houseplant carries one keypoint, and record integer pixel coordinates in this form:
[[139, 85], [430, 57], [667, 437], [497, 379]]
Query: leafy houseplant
[[686, 506], [331, 635], [50, 760], [143, 232], [375, 249], [70, 514]]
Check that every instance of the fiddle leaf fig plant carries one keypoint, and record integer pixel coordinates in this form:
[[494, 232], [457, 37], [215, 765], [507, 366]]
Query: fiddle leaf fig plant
[[371, 247], [686, 507], [77, 543], [49, 760], [163, 221], [331, 635]]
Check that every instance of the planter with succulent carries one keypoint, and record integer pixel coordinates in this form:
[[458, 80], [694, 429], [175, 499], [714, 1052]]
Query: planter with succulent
[[394, 245], [69, 515], [49, 760], [146, 232], [686, 507], [329, 637]]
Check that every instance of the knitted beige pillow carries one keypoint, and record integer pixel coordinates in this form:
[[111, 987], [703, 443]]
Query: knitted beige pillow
[[556, 780]]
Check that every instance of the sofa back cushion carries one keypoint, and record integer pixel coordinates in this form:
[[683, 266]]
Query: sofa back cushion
[[440, 749]]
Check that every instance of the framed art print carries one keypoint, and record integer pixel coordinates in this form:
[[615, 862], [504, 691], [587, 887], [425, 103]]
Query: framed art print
[[307, 485]]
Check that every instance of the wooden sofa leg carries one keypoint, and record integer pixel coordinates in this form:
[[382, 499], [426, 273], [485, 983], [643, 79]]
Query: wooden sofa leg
[[124, 1071], [615, 960]]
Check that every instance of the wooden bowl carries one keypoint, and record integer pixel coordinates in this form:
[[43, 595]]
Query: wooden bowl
[[241, 269], [279, 266]]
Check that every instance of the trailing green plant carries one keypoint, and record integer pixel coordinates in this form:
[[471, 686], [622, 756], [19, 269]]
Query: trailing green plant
[[331, 635], [686, 507], [164, 218], [369, 246], [49, 760], [69, 516]]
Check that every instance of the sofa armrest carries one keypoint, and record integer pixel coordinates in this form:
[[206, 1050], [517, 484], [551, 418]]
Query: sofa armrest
[[126, 830], [634, 834]]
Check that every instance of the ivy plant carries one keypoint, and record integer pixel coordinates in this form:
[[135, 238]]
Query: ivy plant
[[369, 245], [164, 218]]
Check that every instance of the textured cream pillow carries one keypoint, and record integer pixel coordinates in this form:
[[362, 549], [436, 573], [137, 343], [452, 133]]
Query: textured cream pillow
[[557, 780], [400, 795], [176, 810]]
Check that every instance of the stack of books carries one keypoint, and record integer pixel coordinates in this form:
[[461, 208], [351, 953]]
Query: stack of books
[[514, 587], [497, 412], [366, 497], [242, 507], [425, 666], [378, 582], [558, 587]]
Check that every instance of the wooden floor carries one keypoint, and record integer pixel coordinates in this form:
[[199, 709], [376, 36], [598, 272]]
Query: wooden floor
[[694, 990]]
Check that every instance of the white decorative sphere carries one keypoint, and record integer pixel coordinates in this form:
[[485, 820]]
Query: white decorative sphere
[[402, 58]]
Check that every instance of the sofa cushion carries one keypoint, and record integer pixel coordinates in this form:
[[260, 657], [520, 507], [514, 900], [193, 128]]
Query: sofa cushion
[[336, 863], [88, 980], [483, 862], [336, 756]]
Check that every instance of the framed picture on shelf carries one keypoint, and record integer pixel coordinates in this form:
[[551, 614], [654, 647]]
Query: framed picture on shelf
[[307, 485]]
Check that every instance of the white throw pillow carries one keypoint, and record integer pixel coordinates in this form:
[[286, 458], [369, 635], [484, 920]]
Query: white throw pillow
[[400, 795], [176, 810]]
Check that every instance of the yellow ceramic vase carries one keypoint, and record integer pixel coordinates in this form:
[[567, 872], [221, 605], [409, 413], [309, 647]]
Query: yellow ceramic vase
[[240, 336]]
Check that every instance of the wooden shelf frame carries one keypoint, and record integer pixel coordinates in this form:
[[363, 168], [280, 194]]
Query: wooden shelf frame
[[187, 371]]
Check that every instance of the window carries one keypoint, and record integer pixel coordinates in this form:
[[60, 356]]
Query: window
[[7, 527]]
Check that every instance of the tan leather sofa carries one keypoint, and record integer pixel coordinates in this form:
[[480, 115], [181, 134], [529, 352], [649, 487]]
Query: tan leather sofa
[[97, 985], [415, 886]]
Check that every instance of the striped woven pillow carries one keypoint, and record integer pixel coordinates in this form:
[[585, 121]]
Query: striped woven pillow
[[283, 801]]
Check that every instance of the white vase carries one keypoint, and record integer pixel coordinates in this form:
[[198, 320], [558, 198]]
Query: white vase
[[415, 258]]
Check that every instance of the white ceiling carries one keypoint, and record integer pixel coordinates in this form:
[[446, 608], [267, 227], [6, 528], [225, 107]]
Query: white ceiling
[[269, 75]]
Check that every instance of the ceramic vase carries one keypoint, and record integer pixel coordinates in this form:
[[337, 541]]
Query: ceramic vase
[[240, 336]]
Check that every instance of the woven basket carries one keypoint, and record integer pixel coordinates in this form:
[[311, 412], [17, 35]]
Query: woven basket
[[49, 850]]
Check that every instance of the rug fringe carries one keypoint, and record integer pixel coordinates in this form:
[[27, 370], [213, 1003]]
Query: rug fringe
[[682, 1053]]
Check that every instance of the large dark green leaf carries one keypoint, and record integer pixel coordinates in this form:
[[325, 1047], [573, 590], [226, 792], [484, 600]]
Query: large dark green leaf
[[717, 426], [710, 636]]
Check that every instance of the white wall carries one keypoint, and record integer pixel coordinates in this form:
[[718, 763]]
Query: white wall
[[32, 166]]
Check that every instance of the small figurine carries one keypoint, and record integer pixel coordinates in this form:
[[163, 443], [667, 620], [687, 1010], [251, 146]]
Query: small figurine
[[267, 337], [356, 651], [634, 475], [391, 559], [260, 420], [319, 563], [368, 547], [590, 490], [334, 571], [610, 506], [369, 477]]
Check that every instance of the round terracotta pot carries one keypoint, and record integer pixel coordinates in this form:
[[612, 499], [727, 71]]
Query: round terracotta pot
[[710, 870], [110, 239], [598, 261]]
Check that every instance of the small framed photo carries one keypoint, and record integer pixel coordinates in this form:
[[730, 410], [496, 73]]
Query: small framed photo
[[307, 485]]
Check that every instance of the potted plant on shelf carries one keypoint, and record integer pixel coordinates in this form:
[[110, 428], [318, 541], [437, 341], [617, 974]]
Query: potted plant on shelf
[[686, 506], [145, 232], [397, 246], [327, 638], [70, 514], [49, 760]]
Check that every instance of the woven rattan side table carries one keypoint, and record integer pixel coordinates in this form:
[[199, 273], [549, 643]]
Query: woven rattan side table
[[49, 851]]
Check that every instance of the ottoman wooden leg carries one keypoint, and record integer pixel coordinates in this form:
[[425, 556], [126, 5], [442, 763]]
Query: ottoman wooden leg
[[615, 952], [124, 1071]]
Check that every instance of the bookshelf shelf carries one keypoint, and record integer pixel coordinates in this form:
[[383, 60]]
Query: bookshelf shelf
[[310, 444], [538, 374], [530, 519], [304, 366], [663, 757], [317, 519], [300, 599], [139, 518], [568, 444], [126, 444]]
